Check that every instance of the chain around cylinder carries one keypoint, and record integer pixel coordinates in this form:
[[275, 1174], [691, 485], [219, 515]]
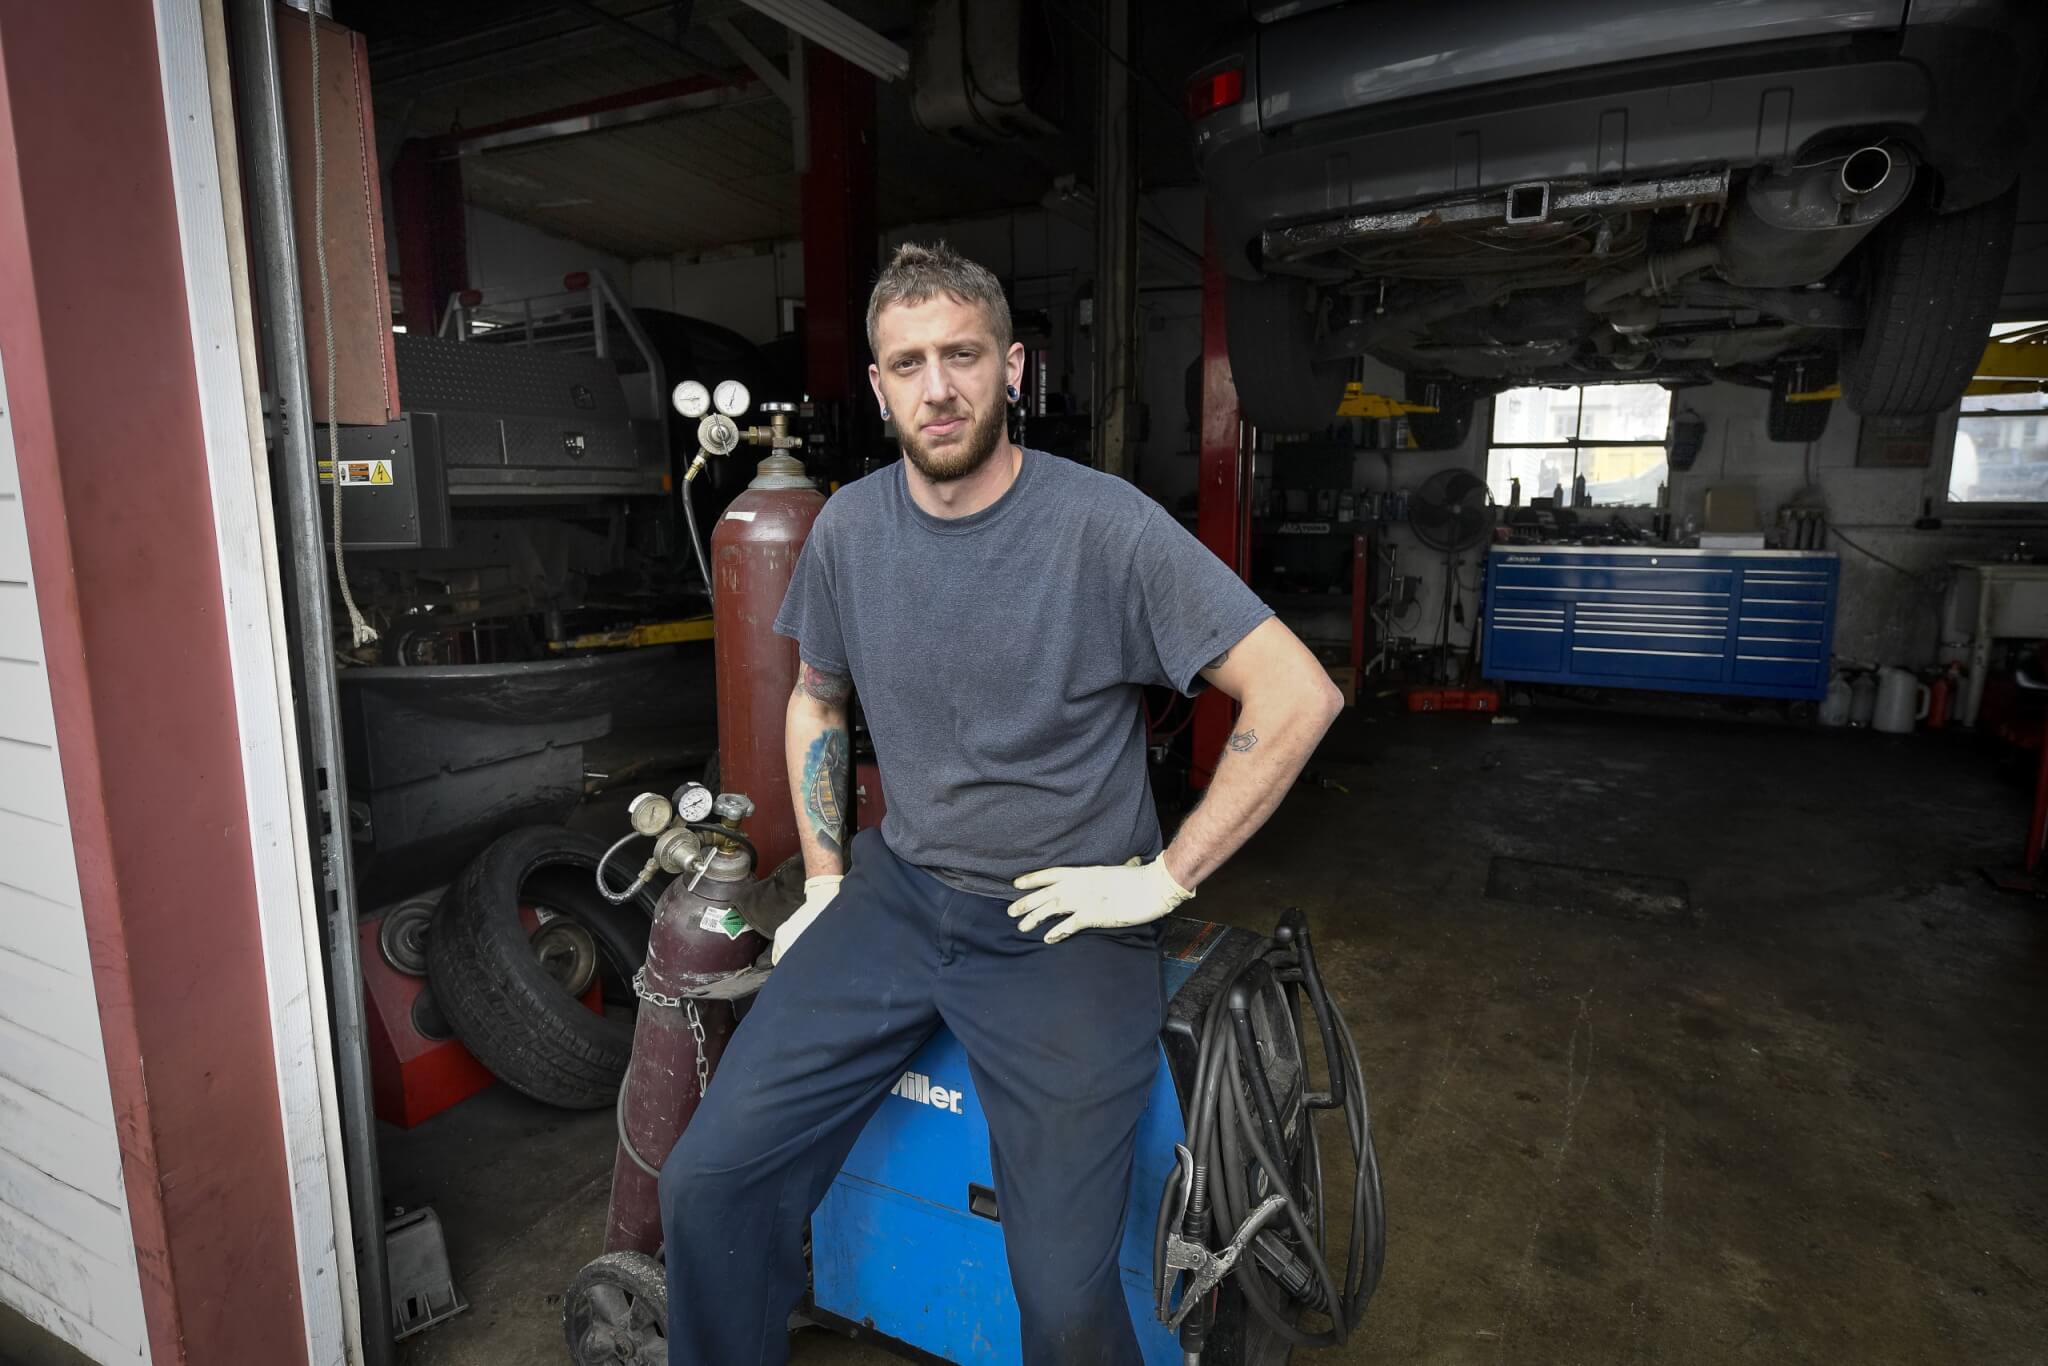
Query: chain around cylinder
[[696, 1023], [690, 1017]]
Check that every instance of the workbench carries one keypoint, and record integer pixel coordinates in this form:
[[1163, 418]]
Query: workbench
[[1751, 623]]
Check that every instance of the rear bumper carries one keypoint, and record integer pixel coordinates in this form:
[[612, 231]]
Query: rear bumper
[[1642, 122]]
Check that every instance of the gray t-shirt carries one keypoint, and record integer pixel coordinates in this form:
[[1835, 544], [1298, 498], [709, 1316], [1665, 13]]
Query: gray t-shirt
[[999, 656]]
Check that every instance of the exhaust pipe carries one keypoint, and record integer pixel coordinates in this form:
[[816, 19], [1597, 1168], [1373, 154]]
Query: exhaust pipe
[[1787, 230], [1864, 172]]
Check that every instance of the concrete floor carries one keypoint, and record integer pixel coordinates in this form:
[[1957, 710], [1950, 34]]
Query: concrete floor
[[1800, 1121]]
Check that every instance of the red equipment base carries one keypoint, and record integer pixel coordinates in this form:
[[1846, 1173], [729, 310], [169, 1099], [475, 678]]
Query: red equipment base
[[1453, 699], [413, 1075]]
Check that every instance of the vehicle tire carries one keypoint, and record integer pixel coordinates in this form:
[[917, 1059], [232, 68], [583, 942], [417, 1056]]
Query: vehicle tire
[[1281, 386], [1929, 300], [1447, 427], [616, 1310], [505, 1007], [1788, 421]]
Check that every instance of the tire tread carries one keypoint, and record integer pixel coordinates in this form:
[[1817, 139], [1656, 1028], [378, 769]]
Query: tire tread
[[1933, 294]]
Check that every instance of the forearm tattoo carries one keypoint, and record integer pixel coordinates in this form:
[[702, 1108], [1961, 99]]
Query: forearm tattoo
[[1216, 663], [825, 788], [1243, 741], [831, 689]]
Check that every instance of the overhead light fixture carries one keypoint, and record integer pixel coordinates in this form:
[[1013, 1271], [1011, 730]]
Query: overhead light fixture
[[833, 30]]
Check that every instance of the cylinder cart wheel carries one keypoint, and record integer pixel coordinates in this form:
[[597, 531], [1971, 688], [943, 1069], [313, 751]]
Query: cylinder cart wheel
[[616, 1312]]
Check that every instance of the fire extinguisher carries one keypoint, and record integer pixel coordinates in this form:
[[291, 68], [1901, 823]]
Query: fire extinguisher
[[1944, 695]]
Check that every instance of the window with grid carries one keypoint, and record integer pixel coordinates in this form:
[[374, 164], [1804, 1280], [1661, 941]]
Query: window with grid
[[1613, 434], [2001, 450]]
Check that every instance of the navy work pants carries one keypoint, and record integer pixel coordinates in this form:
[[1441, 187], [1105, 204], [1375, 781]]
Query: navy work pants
[[1063, 1043]]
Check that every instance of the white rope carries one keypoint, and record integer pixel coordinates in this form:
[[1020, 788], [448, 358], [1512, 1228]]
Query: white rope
[[358, 627]]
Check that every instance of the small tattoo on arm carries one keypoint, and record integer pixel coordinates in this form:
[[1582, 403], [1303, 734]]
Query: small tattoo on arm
[[1216, 663], [823, 687], [824, 795], [1243, 741]]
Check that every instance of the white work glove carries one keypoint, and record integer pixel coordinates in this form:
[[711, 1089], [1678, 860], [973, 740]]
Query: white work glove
[[1103, 898], [818, 894]]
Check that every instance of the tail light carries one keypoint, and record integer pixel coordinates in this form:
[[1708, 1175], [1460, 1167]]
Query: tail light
[[1215, 90]]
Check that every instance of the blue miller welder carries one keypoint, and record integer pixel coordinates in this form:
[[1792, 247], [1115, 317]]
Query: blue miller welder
[[1223, 1255]]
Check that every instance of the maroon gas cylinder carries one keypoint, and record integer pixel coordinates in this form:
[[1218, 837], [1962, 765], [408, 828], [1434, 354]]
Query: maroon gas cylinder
[[697, 939], [753, 554]]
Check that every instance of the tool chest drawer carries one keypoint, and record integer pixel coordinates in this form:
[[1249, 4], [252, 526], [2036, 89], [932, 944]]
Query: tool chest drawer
[[1747, 622]]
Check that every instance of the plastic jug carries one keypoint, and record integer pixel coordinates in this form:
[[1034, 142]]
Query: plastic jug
[[1902, 701], [1862, 700]]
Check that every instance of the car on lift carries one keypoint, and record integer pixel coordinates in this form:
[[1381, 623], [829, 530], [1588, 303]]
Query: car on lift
[[1790, 193]]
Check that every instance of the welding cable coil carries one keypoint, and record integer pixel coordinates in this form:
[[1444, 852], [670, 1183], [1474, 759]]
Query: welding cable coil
[[1239, 1136]]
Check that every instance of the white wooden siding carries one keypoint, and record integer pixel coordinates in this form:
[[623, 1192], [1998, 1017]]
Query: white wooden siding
[[67, 1253]]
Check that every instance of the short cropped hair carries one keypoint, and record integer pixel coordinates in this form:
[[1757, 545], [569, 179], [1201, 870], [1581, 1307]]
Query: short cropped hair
[[917, 273]]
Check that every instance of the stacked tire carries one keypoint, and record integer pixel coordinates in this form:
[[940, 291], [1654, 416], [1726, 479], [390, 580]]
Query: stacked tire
[[490, 975]]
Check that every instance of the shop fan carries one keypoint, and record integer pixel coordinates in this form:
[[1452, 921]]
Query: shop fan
[[1452, 511]]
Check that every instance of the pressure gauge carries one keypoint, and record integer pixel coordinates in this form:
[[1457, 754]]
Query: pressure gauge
[[731, 398], [693, 801], [717, 434], [650, 813], [692, 399]]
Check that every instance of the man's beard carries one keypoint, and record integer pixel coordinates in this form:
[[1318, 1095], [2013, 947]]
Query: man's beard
[[957, 461]]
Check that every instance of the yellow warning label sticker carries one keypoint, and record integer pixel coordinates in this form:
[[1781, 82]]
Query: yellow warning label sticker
[[374, 472]]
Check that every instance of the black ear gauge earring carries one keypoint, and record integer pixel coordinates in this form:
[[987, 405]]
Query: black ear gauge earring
[[1015, 396], [885, 414]]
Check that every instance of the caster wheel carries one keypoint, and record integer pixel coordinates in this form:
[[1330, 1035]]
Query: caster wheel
[[616, 1312]]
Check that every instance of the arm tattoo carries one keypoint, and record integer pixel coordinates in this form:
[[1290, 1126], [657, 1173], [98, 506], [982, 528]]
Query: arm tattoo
[[1243, 741], [831, 689], [1216, 663], [825, 784]]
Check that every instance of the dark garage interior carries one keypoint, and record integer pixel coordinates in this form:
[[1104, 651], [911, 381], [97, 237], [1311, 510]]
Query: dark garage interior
[[1631, 420]]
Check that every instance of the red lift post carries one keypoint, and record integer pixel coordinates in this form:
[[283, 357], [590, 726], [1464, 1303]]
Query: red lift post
[[839, 225], [433, 242], [1223, 502]]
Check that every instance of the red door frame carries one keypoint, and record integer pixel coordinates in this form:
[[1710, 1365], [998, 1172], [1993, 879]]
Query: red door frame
[[95, 328]]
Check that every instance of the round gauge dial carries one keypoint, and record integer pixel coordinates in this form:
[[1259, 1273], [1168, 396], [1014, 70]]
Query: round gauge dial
[[650, 813], [731, 398], [718, 435], [693, 801], [692, 399]]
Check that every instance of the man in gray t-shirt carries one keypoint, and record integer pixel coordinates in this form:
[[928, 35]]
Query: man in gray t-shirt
[[998, 611], [998, 656]]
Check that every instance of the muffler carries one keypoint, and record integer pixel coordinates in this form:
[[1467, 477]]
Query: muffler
[[1793, 229]]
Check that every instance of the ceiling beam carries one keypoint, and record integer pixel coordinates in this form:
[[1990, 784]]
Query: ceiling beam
[[647, 104], [833, 30], [757, 61]]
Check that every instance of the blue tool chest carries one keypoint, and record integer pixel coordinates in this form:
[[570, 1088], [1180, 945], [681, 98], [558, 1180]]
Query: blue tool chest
[[1756, 623]]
